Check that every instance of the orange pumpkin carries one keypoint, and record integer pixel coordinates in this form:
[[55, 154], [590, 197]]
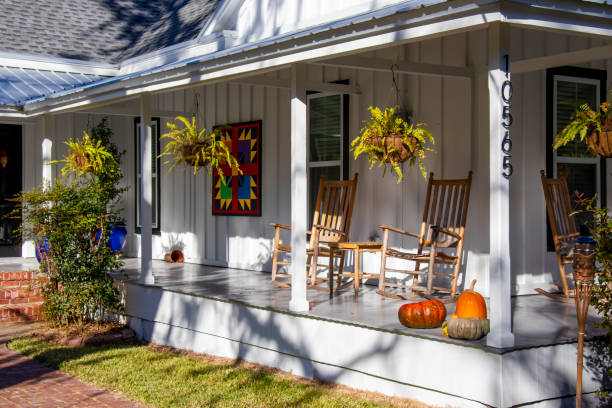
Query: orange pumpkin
[[422, 315], [471, 304]]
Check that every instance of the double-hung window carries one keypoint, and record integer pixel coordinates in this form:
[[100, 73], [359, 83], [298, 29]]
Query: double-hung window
[[585, 172], [155, 207], [327, 141]]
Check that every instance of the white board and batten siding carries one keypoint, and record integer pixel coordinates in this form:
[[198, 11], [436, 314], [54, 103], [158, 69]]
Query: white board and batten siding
[[455, 110]]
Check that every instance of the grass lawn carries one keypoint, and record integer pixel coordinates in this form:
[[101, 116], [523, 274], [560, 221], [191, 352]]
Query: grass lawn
[[161, 377]]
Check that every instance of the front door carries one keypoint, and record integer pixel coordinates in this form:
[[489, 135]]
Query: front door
[[10, 184]]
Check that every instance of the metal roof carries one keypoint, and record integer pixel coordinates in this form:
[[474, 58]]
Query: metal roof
[[18, 85]]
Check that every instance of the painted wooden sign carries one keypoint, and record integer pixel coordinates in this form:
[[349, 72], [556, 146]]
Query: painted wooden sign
[[241, 194]]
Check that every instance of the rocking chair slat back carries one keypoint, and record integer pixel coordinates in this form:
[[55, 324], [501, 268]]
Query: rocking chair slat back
[[558, 205], [447, 207], [334, 208]]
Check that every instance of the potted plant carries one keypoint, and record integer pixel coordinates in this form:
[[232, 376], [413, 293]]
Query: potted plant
[[387, 139], [87, 155], [197, 148], [593, 127]]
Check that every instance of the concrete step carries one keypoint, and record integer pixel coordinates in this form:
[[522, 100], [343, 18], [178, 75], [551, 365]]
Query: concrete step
[[20, 312]]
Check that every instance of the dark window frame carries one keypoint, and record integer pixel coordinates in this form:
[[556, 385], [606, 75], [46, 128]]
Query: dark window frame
[[137, 228], [578, 72]]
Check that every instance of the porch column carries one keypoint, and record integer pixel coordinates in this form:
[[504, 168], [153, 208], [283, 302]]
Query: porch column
[[299, 189], [47, 150], [146, 197], [499, 181]]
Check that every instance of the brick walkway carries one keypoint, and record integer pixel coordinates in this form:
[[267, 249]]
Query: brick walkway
[[27, 383]]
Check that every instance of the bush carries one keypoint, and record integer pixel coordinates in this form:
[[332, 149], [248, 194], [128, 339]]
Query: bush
[[69, 215]]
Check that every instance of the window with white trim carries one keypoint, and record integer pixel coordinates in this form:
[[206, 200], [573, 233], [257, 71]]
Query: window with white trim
[[570, 87], [155, 207], [327, 141]]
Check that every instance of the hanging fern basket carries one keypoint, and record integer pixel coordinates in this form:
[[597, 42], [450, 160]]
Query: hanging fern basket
[[600, 143], [192, 153], [394, 147]]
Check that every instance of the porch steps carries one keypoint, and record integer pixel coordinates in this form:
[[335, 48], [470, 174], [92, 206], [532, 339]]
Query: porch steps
[[20, 297]]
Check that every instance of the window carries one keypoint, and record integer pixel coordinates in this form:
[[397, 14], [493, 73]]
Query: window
[[155, 208], [584, 171], [327, 141]]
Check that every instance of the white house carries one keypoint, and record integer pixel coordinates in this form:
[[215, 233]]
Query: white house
[[66, 64]]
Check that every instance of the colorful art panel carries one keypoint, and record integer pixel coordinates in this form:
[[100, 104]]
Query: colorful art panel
[[241, 193]]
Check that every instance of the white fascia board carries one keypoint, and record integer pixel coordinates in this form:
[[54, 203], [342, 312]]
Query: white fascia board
[[235, 68], [589, 20], [273, 55], [183, 51], [40, 62], [223, 18]]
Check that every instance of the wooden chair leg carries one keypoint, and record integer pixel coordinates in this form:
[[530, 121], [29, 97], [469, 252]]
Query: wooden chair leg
[[432, 263], [383, 261], [457, 268], [340, 269], [275, 255], [563, 277]]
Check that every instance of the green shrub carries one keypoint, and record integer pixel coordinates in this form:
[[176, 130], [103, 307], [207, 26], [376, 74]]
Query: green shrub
[[75, 216]]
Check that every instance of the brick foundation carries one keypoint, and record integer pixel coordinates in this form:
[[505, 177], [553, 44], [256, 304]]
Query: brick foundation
[[20, 297]]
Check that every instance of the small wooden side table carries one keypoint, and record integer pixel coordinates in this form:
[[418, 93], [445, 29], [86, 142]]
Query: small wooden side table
[[358, 248]]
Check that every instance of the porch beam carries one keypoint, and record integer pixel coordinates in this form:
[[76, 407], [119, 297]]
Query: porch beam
[[310, 85], [299, 189], [146, 191], [566, 58], [130, 111], [499, 190], [404, 67]]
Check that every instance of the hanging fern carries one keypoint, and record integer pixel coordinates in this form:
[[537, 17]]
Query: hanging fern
[[373, 141], [197, 148]]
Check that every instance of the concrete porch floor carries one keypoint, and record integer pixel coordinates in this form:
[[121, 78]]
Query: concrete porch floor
[[537, 320]]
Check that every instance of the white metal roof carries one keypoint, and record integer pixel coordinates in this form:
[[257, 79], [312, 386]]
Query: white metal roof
[[19, 85]]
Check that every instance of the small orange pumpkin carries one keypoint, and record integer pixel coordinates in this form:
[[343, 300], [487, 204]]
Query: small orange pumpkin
[[471, 304], [422, 315]]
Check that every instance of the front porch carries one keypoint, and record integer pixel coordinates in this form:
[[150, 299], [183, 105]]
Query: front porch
[[359, 342]]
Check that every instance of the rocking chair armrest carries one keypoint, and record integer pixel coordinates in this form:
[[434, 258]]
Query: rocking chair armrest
[[323, 227], [399, 231], [275, 225], [570, 235], [445, 231], [287, 227]]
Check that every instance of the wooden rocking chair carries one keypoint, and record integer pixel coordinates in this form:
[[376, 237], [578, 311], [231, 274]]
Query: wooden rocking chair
[[331, 223], [443, 226], [563, 230]]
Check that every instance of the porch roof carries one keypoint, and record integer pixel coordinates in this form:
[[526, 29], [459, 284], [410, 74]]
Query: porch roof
[[19, 85], [282, 50]]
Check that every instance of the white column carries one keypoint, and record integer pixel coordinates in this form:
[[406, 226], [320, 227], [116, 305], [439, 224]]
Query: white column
[[146, 197], [499, 201], [47, 151], [299, 188]]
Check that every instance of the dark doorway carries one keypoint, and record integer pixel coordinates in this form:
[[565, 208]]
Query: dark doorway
[[10, 184]]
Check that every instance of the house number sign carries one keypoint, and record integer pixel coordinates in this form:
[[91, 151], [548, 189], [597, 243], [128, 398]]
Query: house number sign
[[506, 144]]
